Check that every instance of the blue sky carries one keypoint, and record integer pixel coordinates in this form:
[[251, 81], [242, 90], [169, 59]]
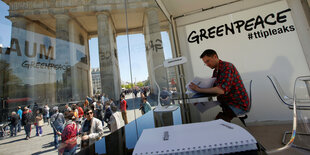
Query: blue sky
[[138, 55], [136, 44], [5, 25]]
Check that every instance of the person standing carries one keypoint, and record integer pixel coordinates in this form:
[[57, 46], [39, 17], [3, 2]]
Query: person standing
[[115, 119], [146, 105], [165, 96], [27, 121], [68, 144], [81, 113], [57, 123], [228, 85], [135, 91], [67, 107], [14, 123], [20, 113], [46, 114], [141, 93], [75, 111], [99, 111], [102, 98], [91, 129], [107, 114], [86, 104], [39, 122], [145, 91], [111, 101], [123, 108], [89, 100]]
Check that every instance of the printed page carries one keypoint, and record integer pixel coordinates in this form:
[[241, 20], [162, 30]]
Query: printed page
[[201, 82]]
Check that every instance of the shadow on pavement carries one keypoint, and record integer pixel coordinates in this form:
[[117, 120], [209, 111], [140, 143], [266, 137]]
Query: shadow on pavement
[[13, 141], [8, 137], [42, 152], [47, 134], [50, 144]]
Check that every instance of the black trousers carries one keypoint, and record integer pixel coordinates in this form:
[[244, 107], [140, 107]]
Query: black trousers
[[227, 114]]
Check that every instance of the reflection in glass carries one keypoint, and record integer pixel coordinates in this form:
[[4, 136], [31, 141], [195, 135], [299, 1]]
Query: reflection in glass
[[42, 69], [47, 60]]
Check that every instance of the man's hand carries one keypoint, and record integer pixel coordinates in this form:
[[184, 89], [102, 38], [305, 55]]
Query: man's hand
[[58, 133], [212, 90], [194, 87], [85, 137]]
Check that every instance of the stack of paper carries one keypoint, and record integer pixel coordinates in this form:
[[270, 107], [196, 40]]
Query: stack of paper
[[201, 82]]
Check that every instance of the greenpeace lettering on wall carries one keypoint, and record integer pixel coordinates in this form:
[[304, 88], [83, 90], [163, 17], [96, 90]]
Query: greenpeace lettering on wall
[[257, 40], [39, 52], [255, 26]]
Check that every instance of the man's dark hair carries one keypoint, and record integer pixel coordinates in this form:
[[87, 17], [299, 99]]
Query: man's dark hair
[[88, 109], [69, 115], [114, 108], [209, 53]]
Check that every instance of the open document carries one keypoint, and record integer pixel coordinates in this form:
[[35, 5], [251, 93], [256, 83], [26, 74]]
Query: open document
[[200, 82], [202, 105]]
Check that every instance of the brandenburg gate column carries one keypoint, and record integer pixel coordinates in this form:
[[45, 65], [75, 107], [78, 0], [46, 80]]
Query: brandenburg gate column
[[62, 27], [62, 57], [154, 50], [109, 72], [18, 39]]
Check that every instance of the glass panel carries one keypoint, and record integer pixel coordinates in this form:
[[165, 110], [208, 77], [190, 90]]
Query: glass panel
[[302, 99], [42, 69], [45, 58]]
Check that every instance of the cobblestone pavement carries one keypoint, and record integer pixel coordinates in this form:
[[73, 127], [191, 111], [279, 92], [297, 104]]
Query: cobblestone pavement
[[44, 145]]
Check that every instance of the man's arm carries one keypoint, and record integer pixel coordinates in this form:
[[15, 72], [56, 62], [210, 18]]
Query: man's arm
[[212, 90], [99, 131]]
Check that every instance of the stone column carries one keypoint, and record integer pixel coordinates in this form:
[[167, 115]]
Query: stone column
[[89, 76], [16, 52], [18, 37], [62, 26], [108, 73], [155, 52], [77, 69], [63, 75]]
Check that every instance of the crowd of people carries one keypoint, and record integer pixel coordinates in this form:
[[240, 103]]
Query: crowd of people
[[85, 120]]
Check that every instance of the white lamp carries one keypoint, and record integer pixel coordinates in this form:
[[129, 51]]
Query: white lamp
[[167, 63]]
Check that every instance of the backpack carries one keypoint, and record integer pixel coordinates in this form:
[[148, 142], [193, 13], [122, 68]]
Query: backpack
[[24, 119], [44, 112]]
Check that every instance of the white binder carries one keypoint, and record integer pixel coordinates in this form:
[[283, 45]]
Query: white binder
[[213, 137]]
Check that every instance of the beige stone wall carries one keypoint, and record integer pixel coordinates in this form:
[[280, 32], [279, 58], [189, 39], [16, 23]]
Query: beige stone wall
[[57, 6]]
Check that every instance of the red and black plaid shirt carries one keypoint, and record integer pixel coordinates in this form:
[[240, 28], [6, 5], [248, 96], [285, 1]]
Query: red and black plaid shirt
[[228, 78]]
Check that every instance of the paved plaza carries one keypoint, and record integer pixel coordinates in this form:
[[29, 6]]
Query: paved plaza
[[44, 145]]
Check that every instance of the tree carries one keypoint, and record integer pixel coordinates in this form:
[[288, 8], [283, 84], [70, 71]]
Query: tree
[[146, 82], [140, 84], [128, 86]]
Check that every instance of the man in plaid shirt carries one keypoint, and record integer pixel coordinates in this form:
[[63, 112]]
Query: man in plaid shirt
[[228, 86]]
